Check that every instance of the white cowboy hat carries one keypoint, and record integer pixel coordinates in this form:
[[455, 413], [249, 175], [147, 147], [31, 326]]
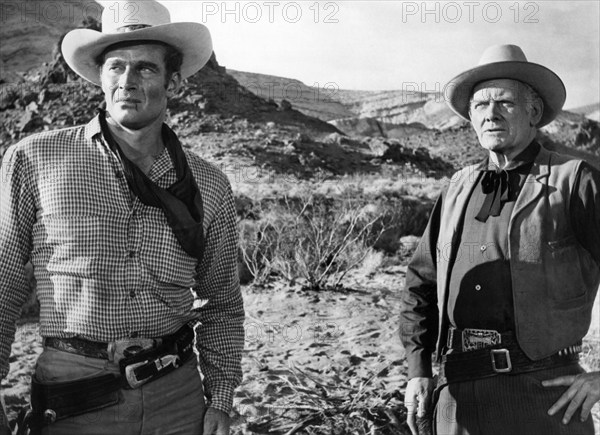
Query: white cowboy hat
[[507, 62], [142, 20]]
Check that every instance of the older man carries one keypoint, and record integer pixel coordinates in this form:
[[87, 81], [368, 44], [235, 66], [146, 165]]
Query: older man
[[503, 282], [133, 243]]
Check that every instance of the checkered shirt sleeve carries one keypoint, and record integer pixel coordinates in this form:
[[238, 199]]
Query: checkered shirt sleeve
[[17, 215], [220, 334], [109, 267]]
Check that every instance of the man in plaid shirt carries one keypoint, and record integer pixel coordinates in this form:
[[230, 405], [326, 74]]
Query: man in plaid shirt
[[132, 241]]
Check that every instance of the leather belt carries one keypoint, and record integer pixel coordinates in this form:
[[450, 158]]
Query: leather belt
[[113, 351], [138, 365], [493, 354]]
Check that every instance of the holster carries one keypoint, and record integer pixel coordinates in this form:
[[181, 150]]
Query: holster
[[56, 401], [53, 402]]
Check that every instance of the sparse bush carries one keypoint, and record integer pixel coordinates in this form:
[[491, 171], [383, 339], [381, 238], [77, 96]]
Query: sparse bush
[[259, 241], [372, 261], [314, 239], [315, 404]]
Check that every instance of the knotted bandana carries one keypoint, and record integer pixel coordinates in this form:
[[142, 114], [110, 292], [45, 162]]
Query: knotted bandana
[[181, 202], [495, 186], [502, 185]]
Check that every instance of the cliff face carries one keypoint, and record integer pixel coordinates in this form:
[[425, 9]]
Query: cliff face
[[314, 101], [30, 29]]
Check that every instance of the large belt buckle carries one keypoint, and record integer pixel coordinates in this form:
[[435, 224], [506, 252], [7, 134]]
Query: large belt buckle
[[160, 363], [506, 354], [473, 339], [130, 346]]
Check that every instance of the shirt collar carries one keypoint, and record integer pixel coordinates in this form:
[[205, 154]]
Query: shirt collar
[[92, 128], [161, 165], [525, 157]]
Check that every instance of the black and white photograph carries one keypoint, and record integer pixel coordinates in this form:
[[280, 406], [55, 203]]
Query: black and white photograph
[[299, 217]]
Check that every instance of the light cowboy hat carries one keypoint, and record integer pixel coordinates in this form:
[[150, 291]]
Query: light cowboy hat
[[142, 20], [507, 62]]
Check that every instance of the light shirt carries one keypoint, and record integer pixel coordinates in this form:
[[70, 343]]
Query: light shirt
[[109, 267]]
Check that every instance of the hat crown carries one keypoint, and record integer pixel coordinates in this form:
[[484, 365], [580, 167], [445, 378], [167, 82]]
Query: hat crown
[[502, 53], [124, 16]]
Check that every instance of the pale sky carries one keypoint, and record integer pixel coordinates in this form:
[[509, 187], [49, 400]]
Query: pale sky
[[384, 45]]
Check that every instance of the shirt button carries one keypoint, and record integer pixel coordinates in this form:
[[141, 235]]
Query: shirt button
[[132, 294], [477, 287], [131, 254], [133, 334], [483, 248], [119, 174]]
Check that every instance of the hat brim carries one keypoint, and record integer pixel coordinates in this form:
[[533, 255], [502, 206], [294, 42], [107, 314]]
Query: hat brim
[[545, 82], [81, 47]]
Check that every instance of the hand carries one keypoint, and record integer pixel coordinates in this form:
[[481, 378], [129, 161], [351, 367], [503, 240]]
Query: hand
[[216, 422], [4, 429], [584, 391], [418, 400]]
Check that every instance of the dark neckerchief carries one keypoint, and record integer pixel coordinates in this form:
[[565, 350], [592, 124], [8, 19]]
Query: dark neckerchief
[[500, 185], [181, 202]]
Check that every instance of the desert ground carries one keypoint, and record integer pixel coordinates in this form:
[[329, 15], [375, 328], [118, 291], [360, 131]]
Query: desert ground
[[315, 362], [329, 214]]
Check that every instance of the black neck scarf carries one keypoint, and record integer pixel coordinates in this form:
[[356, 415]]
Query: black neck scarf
[[502, 185], [181, 202], [495, 186]]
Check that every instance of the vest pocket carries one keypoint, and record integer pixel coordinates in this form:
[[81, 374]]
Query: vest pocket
[[563, 267]]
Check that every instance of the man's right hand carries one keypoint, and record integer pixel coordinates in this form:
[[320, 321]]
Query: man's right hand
[[418, 400]]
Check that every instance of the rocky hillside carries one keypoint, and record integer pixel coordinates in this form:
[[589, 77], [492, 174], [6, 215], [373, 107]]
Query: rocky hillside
[[30, 29], [232, 104], [57, 98], [419, 119], [318, 102], [218, 118], [591, 111]]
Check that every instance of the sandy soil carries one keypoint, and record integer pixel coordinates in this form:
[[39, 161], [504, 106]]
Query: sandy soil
[[327, 362]]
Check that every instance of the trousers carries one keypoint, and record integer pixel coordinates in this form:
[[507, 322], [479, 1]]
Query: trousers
[[171, 405], [507, 404]]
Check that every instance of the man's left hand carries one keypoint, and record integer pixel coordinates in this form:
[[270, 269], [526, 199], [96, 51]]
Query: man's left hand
[[216, 422], [583, 391]]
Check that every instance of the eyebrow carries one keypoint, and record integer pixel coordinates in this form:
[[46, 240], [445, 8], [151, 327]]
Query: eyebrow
[[501, 98], [138, 64]]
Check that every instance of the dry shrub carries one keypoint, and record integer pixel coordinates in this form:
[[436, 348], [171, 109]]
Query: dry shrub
[[255, 247], [371, 263], [311, 403], [312, 239]]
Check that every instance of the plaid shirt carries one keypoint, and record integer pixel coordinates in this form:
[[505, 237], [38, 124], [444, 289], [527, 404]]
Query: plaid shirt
[[109, 267]]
